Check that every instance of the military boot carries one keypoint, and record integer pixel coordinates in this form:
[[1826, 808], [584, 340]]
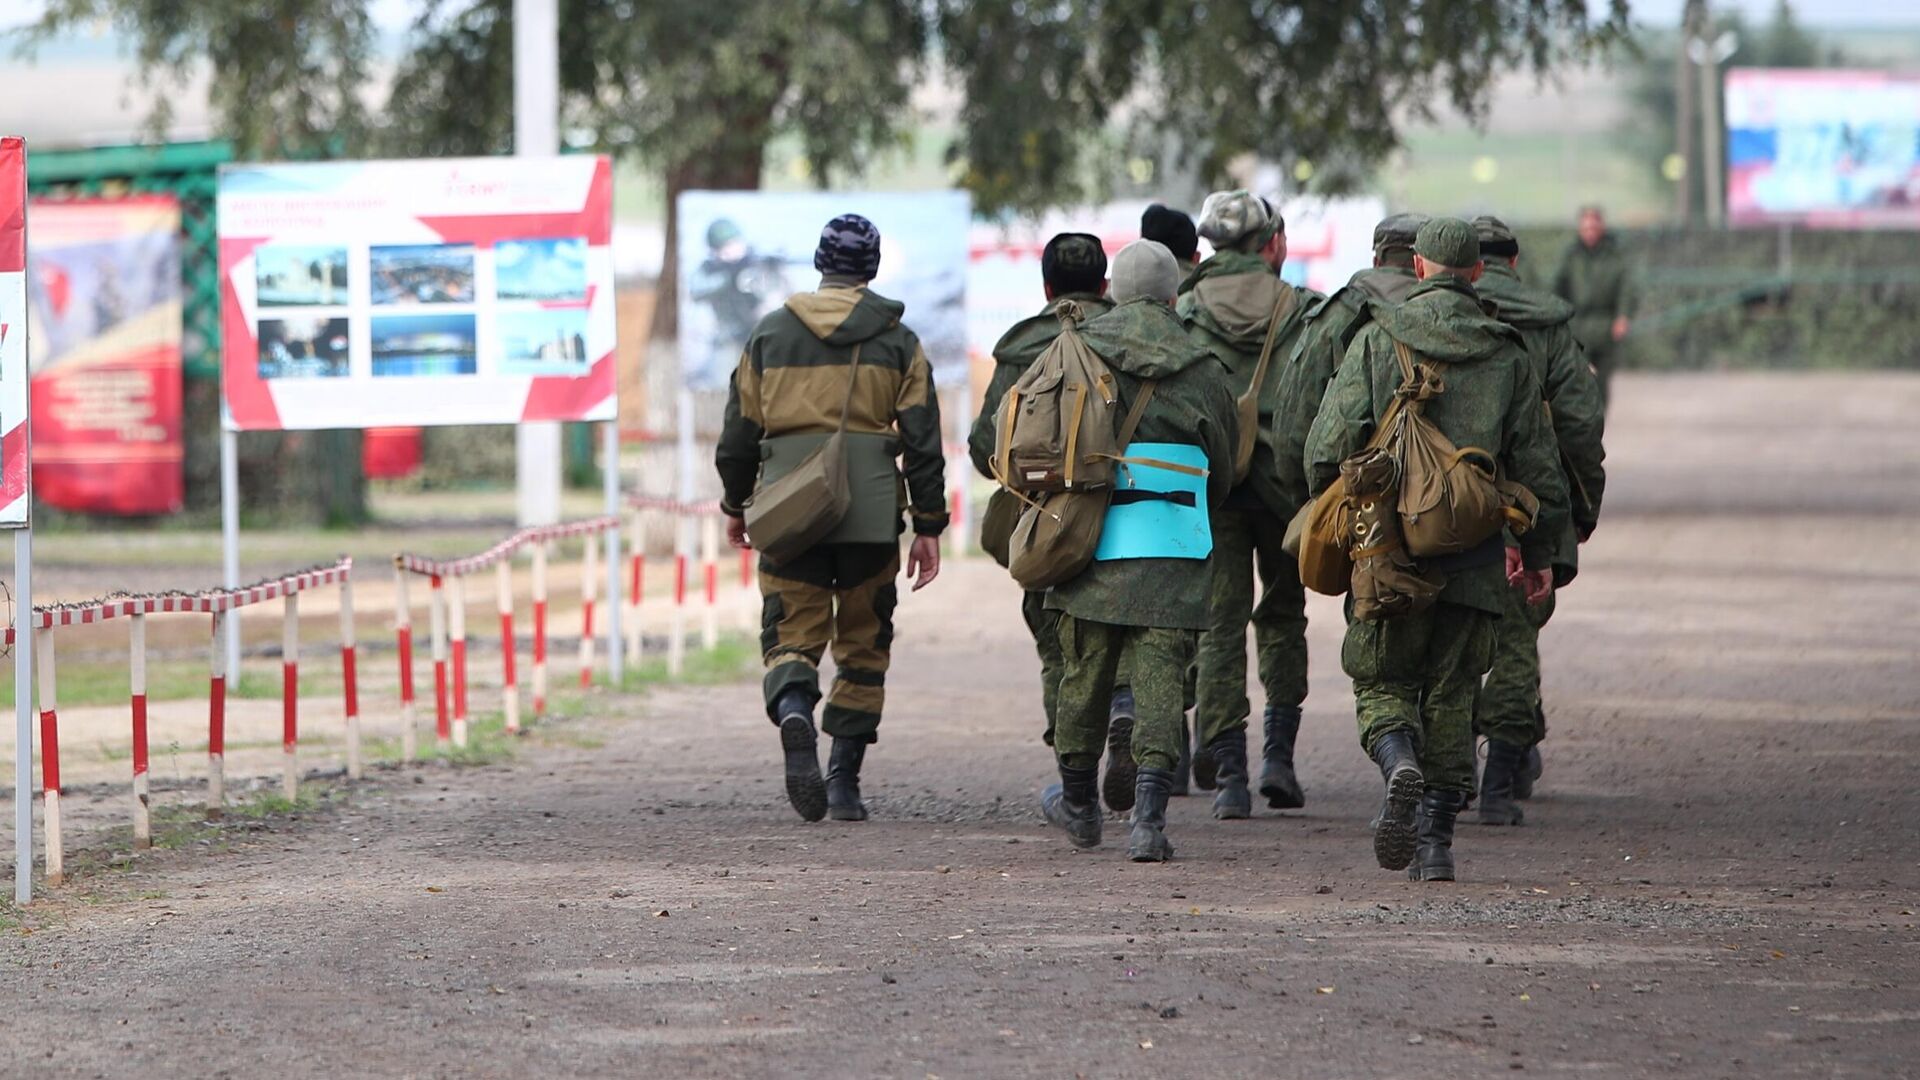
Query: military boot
[[1523, 780], [1393, 838], [1205, 769], [805, 788], [1505, 762], [1434, 860], [1232, 801], [1277, 781], [1183, 769], [1118, 786], [1148, 841], [843, 780], [1073, 804]]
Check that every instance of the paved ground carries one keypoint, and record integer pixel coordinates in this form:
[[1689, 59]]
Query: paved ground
[[1718, 878]]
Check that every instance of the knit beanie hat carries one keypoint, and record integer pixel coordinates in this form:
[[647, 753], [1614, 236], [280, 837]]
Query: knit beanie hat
[[1144, 269], [849, 247]]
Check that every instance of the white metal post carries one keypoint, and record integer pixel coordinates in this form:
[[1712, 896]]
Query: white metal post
[[610, 483], [230, 537], [23, 716], [536, 133]]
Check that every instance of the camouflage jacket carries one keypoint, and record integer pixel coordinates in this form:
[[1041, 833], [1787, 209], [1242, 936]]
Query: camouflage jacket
[[1191, 405], [1013, 354], [1227, 304], [1602, 286], [1573, 397], [1492, 400], [1330, 324], [792, 380]]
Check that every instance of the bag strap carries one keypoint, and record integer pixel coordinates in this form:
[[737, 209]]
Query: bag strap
[[853, 378], [1132, 422]]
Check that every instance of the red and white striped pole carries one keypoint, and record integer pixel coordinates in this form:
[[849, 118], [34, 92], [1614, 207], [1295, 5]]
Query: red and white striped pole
[[457, 630], [437, 610], [290, 698], [137, 678], [957, 517], [710, 578], [403, 640], [636, 585], [540, 629], [217, 720], [349, 678], [50, 757], [589, 592], [749, 596], [509, 686], [677, 640]]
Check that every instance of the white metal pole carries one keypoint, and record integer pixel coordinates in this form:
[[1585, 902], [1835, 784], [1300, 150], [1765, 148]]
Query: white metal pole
[[610, 482], [230, 537], [536, 133], [23, 716]]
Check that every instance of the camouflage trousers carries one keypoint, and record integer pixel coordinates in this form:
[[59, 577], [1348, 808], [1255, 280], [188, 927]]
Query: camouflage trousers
[[1508, 707], [1092, 654], [1418, 674], [1044, 625], [841, 595], [1243, 540]]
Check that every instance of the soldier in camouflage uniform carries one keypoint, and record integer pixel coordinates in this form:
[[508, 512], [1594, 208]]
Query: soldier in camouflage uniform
[[1596, 277], [1415, 676], [1231, 304], [1073, 268], [1142, 611], [785, 400], [1508, 712]]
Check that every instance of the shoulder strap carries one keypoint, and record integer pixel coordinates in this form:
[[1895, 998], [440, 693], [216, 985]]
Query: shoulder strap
[[1137, 410], [1280, 296], [853, 377]]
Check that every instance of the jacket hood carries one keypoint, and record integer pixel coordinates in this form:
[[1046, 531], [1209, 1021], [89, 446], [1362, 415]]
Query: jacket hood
[[1145, 339], [1519, 304], [1441, 319], [1046, 324], [1391, 284], [844, 316], [1234, 295]]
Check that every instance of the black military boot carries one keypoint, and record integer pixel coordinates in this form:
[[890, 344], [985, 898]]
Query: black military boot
[[1074, 805], [843, 780], [1277, 781], [805, 788], [1505, 762], [1232, 802], [1148, 841], [1205, 769], [1523, 781], [1393, 838], [1183, 769], [1434, 859], [1118, 786]]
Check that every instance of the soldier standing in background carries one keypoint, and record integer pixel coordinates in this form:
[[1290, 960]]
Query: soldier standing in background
[[1173, 230], [786, 398], [1508, 712], [1596, 277], [1236, 306]]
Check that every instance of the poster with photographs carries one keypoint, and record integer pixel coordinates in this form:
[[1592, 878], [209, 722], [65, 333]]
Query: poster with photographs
[[742, 253], [401, 293]]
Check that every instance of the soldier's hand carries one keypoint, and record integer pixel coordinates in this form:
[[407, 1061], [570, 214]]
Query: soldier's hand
[[1515, 567], [923, 561], [737, 533], [1539, 585], [1620, 327]]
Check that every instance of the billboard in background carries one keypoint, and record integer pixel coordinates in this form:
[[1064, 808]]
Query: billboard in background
[[742, 253], [103, 279], [16, 500], [1831, 148], [406, 293]]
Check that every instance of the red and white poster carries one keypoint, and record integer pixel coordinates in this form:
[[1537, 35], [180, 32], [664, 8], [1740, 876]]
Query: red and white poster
[[408, 293], [103, 279], [15, 486]]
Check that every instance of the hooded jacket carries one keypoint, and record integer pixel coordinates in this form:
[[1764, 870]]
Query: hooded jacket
[[1191, 405], [1329, 325], [1227, 304], [792, 381], [1573, 397], [1601, 285], [1492, 400], [1013, 354]]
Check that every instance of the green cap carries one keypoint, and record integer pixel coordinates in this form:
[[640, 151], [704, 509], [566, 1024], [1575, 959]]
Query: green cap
[[1397, 231], [1447, 241], [1491, 230]]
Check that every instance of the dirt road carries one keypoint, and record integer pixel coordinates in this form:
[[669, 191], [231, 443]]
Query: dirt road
[[1717, 879]]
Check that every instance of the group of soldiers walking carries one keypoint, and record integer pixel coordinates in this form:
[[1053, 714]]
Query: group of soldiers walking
[[1136, 641]]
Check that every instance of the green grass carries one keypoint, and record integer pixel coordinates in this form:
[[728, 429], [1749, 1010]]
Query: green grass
[[733, 659]]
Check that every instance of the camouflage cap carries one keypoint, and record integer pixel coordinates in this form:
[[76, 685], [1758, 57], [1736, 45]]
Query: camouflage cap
[[1397, 231], [1447, 241], [1073, 261], [1491, 230], [1229, 217]]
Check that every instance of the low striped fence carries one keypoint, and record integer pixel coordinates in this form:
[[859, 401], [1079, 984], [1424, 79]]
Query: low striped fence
[[216, 603], [688, 519]]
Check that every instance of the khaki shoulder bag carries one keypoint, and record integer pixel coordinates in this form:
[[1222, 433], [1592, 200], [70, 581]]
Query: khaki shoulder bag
[[797, 511]]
